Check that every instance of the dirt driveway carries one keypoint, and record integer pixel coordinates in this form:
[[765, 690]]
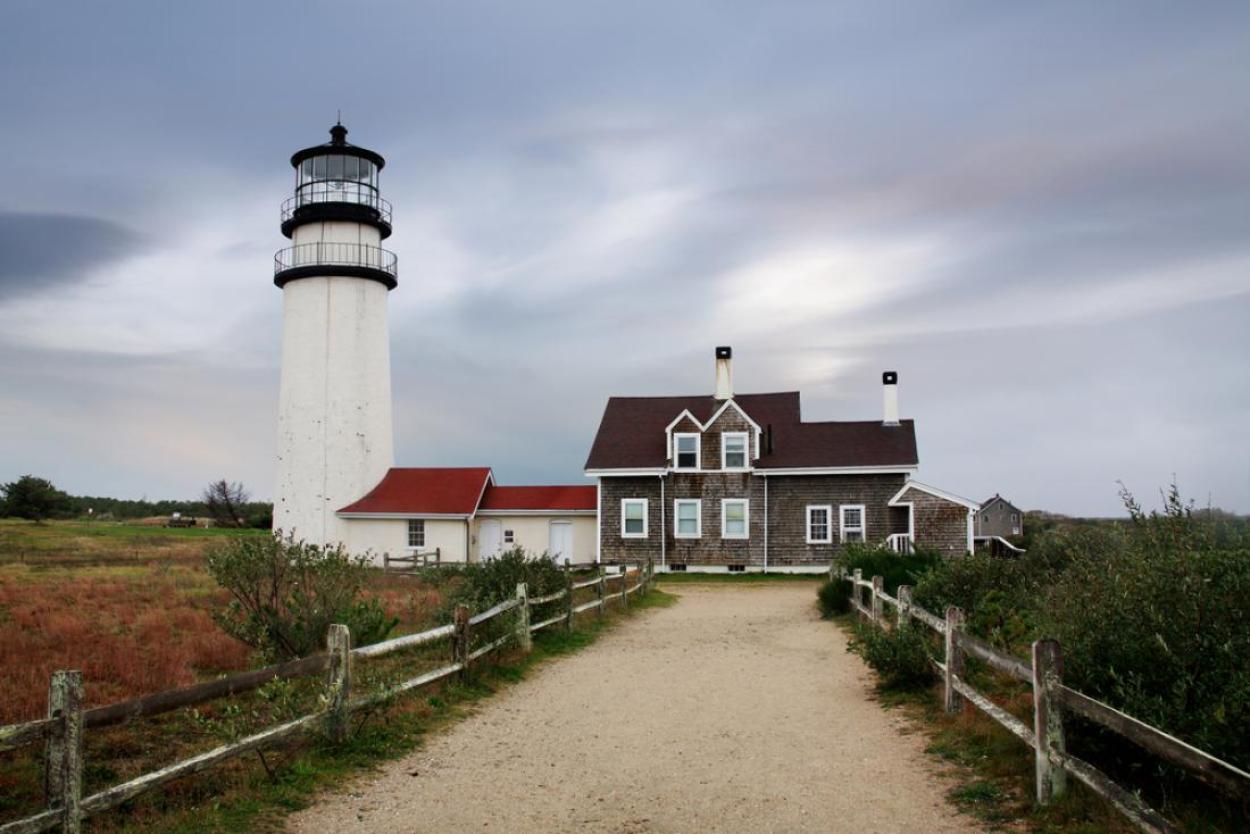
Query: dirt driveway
[[734, 710]]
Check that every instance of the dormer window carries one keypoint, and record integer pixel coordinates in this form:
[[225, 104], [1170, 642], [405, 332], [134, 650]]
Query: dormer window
[[686, 451], [733, 450]]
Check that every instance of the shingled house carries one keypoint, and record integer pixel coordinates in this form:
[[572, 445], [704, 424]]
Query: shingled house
[[741, 482]]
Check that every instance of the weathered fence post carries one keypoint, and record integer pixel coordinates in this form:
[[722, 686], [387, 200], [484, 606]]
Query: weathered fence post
[[1052, 780], [460, 640], [386, 561], [954, 702], [568, 597], [524, 638], [624, 586], [648, 579], [438, 556], [600, 589], [63, 757], [904, 606], [858, 576], [339, 648], [878, 588]]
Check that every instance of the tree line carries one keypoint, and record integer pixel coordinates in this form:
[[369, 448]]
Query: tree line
[[225, 503]]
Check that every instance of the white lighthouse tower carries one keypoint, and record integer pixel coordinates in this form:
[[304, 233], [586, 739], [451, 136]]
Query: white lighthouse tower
[[334, 408]]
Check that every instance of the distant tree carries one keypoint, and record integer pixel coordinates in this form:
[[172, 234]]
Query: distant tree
[[32, 498], [226, 503]]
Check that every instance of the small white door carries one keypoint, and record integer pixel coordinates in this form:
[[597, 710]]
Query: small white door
[[561, 541], [489, 540]]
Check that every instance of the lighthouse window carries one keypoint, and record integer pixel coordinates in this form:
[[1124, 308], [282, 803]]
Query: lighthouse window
[[336, 167], [319, 167]]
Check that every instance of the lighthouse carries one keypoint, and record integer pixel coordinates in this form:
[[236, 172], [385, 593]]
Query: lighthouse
[[335, 438]]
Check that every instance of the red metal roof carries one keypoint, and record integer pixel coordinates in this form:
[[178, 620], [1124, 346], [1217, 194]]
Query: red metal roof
[[541, 498], [433, 491]]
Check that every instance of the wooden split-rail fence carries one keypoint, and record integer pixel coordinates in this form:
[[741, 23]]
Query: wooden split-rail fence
[[64, 728], [1051, 698]]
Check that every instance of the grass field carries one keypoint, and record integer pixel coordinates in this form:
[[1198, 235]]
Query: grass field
[[129, 605]]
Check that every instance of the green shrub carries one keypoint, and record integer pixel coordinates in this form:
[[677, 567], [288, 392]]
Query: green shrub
[[1155, 623], [285, 594], [488, 583], [894, 568], [899, 656], [834, 597]]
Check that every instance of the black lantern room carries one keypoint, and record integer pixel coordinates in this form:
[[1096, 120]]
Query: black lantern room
[[337, 181]]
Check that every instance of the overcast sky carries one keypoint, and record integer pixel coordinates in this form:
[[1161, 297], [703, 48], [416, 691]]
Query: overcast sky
[[1039, 214]]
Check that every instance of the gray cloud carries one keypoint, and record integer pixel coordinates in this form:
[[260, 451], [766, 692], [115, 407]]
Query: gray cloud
[[1039, 215], [42, 251]]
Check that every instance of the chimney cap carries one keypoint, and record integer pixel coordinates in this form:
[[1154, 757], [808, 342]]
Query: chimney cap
[[889, 378], [724, 352]]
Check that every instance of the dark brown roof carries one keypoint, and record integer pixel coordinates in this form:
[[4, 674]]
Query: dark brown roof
[[631, 434]]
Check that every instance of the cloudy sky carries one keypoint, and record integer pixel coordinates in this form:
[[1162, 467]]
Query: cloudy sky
[[1039, 214]]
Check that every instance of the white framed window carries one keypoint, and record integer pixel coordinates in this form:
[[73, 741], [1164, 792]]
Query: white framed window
[[851, 522], [686, 453], [509, 537], [819, 523], [735, 514], [687, 518], [733, 450], [416, 532], [633, 518]]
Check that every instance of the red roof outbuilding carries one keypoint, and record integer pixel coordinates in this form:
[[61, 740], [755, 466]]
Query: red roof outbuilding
[[537, 498], [425, 491]]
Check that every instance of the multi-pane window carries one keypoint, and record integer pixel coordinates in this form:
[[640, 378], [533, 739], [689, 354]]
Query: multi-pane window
[[686, 451], [687, 523], [733, 521], [508, 537], [634, 518], [416, 532], [819, 529], [852, 522], [733, 450]]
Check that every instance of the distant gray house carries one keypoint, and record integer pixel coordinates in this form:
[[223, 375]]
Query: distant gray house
[[999, 517]]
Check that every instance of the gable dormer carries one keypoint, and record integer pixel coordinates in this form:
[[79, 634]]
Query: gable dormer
[[684, 442], [733, 438]]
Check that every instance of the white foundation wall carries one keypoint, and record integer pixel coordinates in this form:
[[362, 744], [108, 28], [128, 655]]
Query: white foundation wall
[[376, 536], [334, 405], [533, 533]]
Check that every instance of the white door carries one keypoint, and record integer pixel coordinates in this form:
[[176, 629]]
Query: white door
[[561, 541], [489, 540]]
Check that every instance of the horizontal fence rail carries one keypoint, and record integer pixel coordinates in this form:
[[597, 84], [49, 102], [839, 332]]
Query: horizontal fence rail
[[1050, 698], [63, 731]]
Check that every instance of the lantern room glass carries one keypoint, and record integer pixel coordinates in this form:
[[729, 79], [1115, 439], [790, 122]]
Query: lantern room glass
[[336, 178]]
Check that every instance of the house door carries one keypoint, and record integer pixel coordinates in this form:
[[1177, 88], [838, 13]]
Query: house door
[[489, 540], [561, 547]]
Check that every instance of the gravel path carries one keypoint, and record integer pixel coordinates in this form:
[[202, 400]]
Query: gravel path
[[735, 710]]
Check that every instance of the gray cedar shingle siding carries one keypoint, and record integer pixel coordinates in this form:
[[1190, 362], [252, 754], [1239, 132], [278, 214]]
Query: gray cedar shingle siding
[[790, 495], [788, 499], [613, 548], [940, 524]]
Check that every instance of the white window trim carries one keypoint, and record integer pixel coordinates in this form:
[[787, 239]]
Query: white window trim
[[863, 521], [746, 518], [408, 535], [828, 508], [645, 517], [698, 451], [746, 450], [698, 518]]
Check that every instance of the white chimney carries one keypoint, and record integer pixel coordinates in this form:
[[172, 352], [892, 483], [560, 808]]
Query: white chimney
[[889, 382], [724, 373]]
